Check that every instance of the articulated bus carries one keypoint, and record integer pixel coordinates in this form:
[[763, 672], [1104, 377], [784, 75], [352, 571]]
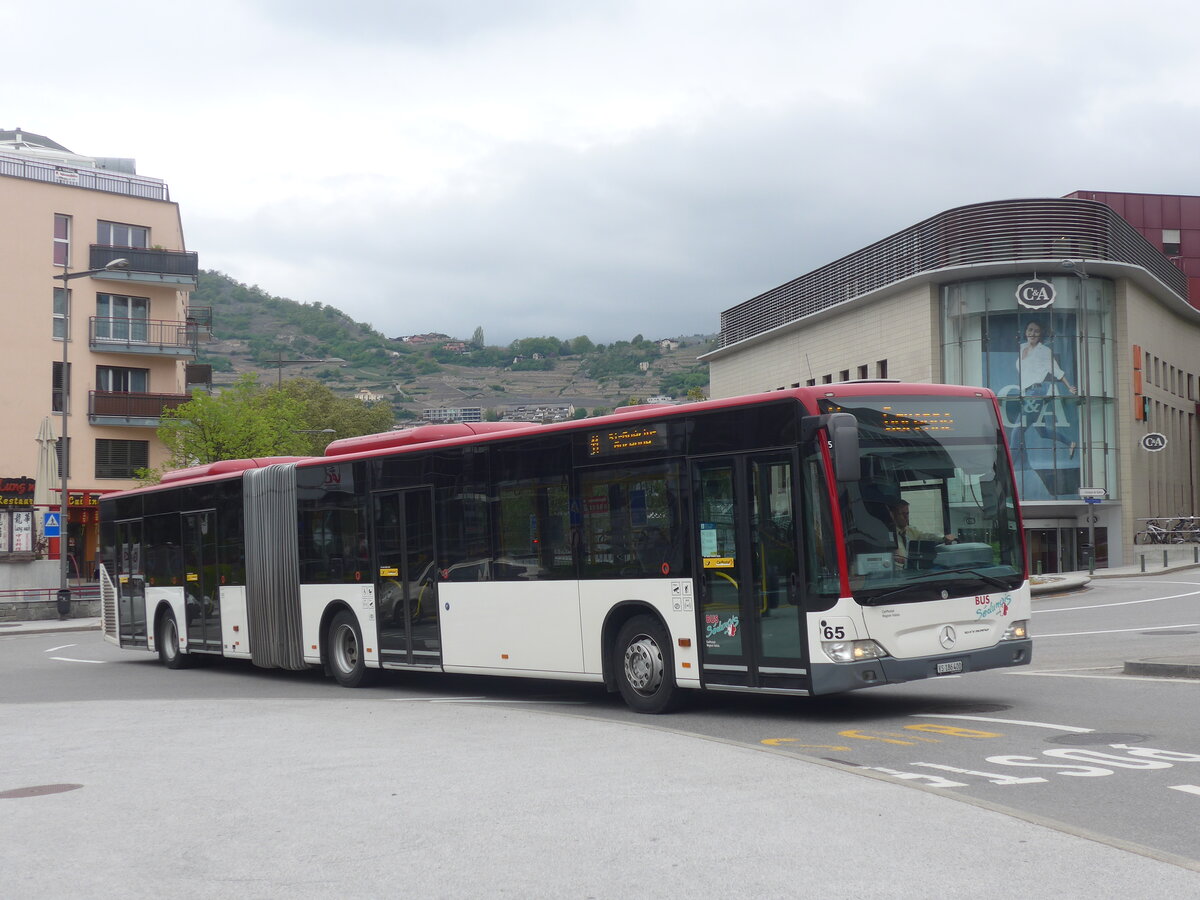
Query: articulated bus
[[747, 544]]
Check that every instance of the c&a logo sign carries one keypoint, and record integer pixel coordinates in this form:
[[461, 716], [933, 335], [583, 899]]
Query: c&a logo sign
[[1035, 293]]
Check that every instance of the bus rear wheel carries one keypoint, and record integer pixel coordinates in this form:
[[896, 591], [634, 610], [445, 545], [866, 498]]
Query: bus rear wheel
[[346, 659], [644, 667], [167, 639]]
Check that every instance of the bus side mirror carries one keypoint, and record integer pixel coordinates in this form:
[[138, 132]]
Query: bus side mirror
[[843, 445]]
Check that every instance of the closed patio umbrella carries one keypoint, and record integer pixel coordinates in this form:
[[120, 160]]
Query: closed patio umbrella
[[47, 474]]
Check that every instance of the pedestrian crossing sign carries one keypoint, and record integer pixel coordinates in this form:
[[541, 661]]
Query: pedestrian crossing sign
[[51, 526]]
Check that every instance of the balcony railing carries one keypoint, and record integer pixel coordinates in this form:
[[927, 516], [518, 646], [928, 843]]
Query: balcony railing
[[20, 166], [153, 337], [143, 260], [127, 408]]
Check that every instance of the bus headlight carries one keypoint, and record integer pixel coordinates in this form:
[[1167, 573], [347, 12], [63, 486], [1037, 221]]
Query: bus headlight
[[1017, 631], [852, 651]]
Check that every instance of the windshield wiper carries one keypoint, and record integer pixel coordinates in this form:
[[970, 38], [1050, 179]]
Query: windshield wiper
[[967, 570], [932, 584]]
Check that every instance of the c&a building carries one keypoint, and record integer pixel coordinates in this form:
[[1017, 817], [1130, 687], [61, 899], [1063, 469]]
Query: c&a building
[[1075, 311]]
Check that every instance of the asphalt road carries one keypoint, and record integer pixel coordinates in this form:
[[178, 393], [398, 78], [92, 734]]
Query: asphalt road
[[179, 770]]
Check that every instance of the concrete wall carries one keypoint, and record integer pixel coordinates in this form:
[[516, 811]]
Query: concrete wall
[[902, 328]]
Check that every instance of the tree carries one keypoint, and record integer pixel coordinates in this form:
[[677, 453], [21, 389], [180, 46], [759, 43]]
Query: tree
[[248, 421], [477, 340], [244, 421], [347, 416]]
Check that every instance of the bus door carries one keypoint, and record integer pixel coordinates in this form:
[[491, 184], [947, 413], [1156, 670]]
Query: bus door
[[752, 625], [201, 590], [130, 583], [406, 577]]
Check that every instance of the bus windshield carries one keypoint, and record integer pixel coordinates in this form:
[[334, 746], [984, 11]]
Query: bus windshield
[[934, 514]]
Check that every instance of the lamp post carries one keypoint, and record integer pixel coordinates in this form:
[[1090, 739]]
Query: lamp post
[[1079, 270], [280, 362], [64, 590]]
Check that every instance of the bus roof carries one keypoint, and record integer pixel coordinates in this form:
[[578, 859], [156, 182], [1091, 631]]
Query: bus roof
[[449, 435]]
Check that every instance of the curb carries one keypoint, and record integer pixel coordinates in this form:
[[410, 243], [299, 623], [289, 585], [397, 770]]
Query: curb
[[1163, 669], [35, 628]]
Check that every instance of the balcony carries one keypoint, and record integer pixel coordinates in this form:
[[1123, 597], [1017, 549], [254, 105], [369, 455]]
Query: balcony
[[179, 269], [136, 410], [144, 337]]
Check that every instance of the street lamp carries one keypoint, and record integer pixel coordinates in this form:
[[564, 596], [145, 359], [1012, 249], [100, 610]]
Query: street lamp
[[64, 590], [1078, 268], [281, 362]]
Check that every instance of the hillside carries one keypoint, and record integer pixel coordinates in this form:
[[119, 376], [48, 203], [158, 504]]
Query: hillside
[[256, 332]]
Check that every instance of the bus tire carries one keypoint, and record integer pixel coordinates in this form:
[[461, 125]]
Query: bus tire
[[644, 667], [167, 638], [346, 659]]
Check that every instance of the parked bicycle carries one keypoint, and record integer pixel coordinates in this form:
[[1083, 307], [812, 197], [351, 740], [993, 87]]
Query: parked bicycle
[[1168, 530]]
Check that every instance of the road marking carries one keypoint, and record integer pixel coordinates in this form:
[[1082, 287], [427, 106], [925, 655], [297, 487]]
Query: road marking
[[68, 659], [1186, 788], [1120, 603], [1050, 725], [1116, 631], [775, 742], [431, 699], [63, 647]]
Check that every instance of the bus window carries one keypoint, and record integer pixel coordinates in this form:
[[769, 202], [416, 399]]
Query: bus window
[[627, 522]]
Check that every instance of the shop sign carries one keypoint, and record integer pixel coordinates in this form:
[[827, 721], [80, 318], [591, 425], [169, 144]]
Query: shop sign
[[1035, 294], [16, 491], [1154, 442], [83, 499]]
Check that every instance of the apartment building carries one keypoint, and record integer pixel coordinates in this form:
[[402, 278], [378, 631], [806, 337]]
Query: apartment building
[[94, 281], [1105, 435]]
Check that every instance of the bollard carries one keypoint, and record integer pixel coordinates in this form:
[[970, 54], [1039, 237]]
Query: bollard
[[1039, 567], [1165, 552], [1196, 554], [1142, 557]]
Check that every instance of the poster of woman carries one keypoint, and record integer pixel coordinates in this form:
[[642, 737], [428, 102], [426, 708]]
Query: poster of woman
[[1031, 367]]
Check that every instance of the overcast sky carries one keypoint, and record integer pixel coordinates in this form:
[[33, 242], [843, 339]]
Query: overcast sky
[[568, 167]]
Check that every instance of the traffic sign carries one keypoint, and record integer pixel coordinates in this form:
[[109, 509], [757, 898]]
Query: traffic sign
[[51, 525], [1086, 492], [1091, 499], [1154, 442]]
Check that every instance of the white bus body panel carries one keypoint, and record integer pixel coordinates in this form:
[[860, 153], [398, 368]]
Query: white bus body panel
[[360, 598], [673, 599], [511, 626], [174, 598], [910, 630], [235, 637]]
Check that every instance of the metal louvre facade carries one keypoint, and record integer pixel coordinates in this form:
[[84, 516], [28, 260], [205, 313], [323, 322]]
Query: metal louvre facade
[[1000, 232], [273, 568]]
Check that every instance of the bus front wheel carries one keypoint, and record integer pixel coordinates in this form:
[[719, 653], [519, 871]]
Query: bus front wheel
[[168, 642], [345, 651], [643, 665]]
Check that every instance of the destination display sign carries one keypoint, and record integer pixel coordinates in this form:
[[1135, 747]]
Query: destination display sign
[[632, 439]]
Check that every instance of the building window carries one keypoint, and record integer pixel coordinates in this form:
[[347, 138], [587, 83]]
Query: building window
[[60, 396], [114, 234], [1170, 241], [121, 380], [62, 309], [121, 318], [62, 239], [863, 373], [844, 375], [881, 369], [811, 382], [826, 379], [64, 461], [119, 459]]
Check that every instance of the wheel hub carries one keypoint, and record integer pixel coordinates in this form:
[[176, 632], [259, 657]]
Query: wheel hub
[[644, 667]]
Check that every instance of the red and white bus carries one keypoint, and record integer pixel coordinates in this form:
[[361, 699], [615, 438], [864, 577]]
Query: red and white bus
[[748, 544]]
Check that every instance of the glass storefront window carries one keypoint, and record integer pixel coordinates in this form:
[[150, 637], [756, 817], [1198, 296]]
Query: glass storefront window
[[1052, 369]]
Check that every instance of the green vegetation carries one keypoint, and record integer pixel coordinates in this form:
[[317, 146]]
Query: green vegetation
[[248, 420]]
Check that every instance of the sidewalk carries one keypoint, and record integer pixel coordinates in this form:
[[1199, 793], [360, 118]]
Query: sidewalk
[[50, 626]]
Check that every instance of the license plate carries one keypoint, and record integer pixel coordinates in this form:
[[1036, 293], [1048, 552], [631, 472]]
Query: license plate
[[949, 668]]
